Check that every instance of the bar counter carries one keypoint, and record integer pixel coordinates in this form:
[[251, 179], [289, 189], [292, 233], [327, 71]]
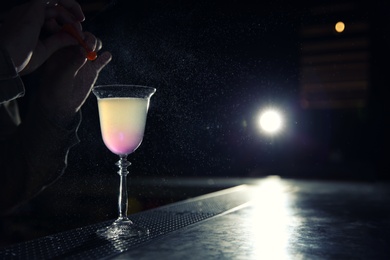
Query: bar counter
[[270, 218]]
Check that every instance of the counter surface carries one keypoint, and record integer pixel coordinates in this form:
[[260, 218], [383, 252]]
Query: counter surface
[[271, 219]]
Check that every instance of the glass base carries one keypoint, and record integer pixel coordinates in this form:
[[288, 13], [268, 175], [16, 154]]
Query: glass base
[[122, 228]]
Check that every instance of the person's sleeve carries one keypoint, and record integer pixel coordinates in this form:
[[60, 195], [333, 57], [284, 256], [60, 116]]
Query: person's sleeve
[[11, 85], [34, 157]]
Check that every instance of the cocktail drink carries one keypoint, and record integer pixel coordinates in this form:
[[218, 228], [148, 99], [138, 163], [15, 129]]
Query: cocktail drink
[[122, 113], [122, 131]]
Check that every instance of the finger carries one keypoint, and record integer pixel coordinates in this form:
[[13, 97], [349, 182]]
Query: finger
[[78, 59], [90, 41], [73, 7], [99, 45], [62, 16], [92, 68], [51, 26], [89, 73], [102, 61]]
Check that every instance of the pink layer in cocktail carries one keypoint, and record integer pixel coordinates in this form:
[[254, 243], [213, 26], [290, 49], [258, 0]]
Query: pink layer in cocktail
[[120, 142]]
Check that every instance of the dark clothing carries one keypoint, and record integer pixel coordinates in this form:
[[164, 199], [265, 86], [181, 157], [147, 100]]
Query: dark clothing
[[33, 150]]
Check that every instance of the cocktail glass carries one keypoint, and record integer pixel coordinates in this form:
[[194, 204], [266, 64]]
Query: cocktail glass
[[122, 114]]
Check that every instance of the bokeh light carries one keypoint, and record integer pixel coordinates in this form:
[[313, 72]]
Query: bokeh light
[[270, 121], [339, 27]]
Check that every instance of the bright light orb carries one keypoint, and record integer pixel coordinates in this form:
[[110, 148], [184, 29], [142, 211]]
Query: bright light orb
[[339, 27], [270, 121]]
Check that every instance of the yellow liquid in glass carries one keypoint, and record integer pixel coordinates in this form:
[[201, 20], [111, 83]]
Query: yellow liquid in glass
[[122, 123]]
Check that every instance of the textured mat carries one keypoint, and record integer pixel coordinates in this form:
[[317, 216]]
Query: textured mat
[[83, 243]]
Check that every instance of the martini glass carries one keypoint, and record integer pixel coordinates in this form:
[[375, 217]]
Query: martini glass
[[122, 114]]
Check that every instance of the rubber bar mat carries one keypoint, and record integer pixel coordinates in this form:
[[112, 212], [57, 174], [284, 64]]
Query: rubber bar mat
[[83, 243]]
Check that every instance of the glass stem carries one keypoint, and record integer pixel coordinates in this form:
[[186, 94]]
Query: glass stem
[[123, 163]]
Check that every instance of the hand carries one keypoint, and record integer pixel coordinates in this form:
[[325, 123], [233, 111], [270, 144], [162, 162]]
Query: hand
[[68, 79], [31, 32]]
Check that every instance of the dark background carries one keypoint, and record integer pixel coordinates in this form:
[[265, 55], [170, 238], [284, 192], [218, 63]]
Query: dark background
[[215, 65]]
